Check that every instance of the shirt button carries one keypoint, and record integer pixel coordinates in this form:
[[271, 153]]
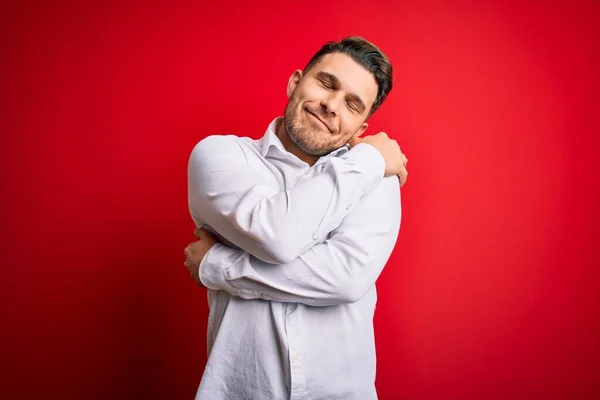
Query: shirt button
[[349, 207]]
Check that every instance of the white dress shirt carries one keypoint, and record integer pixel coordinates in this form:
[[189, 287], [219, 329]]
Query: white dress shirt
[[292, 289]]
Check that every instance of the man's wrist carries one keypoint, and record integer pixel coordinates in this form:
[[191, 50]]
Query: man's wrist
[[374, 161], [210, 273]]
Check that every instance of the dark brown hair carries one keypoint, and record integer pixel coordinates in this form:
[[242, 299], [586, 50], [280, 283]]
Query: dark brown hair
[[366, 54]]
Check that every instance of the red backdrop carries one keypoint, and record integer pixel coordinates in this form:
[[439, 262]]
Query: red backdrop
[[493, 289]]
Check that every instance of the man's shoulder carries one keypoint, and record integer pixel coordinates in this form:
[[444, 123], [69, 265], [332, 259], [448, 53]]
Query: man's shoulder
[[225, 141], [222, 144]]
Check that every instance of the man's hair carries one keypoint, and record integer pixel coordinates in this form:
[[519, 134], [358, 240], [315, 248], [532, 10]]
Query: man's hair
[[366, 54]]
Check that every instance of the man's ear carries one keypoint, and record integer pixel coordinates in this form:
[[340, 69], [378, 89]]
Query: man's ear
[[360, 131], [293, 82]]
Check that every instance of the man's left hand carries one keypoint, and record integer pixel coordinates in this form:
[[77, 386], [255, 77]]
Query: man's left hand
[[195, 252]]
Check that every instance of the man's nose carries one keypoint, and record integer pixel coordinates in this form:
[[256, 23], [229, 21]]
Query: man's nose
[[331, 104]]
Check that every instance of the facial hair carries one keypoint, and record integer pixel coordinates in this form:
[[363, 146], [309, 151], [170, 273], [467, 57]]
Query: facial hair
[[300, 134]]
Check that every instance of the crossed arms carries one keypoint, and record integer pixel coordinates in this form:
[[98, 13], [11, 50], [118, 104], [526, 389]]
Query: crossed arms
[[323, 242]]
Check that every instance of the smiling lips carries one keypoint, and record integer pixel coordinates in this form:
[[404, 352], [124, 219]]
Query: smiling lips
[[321, 121]]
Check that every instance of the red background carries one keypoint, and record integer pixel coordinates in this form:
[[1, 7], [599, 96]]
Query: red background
[[493, 289]]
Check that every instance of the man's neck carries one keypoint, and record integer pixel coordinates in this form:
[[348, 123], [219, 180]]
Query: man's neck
[[291, 147]]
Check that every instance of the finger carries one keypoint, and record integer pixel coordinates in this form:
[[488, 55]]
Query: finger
[[402, 176], [187, 266]]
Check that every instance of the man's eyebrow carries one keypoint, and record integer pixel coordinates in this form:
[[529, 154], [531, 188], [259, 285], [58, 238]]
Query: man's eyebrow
[[335, 83]]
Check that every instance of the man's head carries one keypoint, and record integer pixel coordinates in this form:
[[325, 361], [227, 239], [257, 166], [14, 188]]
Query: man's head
[[330, 101]]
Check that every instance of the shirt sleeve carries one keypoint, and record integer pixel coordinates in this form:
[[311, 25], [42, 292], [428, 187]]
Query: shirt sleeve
[[274, 226], [340, 270]]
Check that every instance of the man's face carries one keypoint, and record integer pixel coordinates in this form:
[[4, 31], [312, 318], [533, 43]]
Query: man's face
[[329, 104]]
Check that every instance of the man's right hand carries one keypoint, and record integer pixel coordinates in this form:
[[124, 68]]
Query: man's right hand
[[195, 252], [395, 161]]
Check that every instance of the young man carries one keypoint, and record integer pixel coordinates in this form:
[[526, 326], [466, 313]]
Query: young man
[[299, 225]]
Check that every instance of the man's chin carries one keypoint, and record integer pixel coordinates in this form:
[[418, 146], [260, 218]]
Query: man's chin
[[308, 149]]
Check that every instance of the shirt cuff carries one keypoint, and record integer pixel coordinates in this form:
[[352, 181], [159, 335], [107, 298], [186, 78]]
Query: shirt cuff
[[212, 271], [367, 160]]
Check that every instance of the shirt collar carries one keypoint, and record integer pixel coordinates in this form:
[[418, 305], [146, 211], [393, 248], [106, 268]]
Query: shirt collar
[[270, 140]]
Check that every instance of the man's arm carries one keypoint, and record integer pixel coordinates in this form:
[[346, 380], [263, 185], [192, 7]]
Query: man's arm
[[340, 270], [276, 226]]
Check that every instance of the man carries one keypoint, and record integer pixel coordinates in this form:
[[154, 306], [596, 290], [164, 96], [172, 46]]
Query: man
[[299, 225]]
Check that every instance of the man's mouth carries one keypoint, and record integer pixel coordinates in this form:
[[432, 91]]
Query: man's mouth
[[325, 124]]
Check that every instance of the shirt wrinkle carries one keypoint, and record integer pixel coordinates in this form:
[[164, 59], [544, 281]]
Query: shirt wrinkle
[[302, 330]]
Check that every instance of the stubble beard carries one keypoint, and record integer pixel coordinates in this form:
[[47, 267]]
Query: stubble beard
[[301, 135]]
